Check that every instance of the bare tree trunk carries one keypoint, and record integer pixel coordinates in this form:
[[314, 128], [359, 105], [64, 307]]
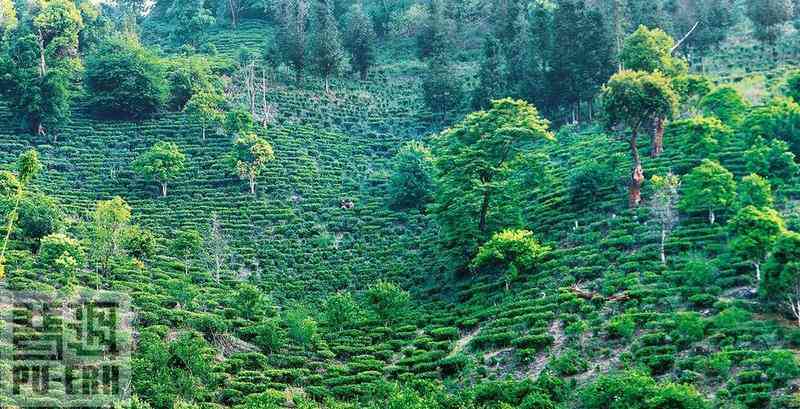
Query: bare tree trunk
[[663, 245], [204, 132], [42, 62], [794, 302], [657, 147], [711, 216], [163, 189], [234, 11], [252, 185], [484, 210], [757, 266], [637, 174]]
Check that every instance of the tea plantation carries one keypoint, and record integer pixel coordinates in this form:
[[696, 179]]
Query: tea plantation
[[352, 275]]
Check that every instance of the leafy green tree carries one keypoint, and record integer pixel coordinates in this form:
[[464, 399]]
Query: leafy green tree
[[125, 80], [163, 162], [8, 17], [773, 160], [434, 39], [630, 99], [779, 119], [474, 161], [651, 51], [586, 183], [511, 252], [491, 76], [186, 245], [726, 104], [581, 59], [97, 27], [755, 191], [411, 184], [251, 302], [677, 396], [110, 223], [359, 39], [267, 335], [238, 121], [701, 136], [302, 327], [754, 232], [56, 247], [205, 108], [187, 77], [709, 187], [618, 390], [38, 63], [13, 189], [389, 301], [328, 53], [781, 282], [139, 243], [189, 21], [663, 205], [793, 86], [38, 216], [166, 371], [292, 40], [250, 156], [714, 19], [442, 90], [341, 310], [768, 16]]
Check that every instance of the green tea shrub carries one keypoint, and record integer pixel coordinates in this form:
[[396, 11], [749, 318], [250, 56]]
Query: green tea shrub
[[622, 326]]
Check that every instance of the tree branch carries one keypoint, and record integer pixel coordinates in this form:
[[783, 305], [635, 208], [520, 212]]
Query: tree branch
[[680, 43]]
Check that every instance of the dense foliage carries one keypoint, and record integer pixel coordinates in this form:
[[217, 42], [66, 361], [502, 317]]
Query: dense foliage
[[435, 213]]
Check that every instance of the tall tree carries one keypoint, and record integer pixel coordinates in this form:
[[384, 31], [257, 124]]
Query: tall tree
[[162, 162], [708, 187], [442, 89], [110, 224], [186, 245], [663, 205], [125, 80], [629, 100], [12, 188], [780, 285], [768, 16], [189, 21], [473, 162], [491, 76], [360, 40], [39, 61], [250, 156], [206, 109], [328, 53], [713, 20], [292, 37], [650, 51], [581, 58], [411, 184], [434, 40], [754, 233], [8, 17]]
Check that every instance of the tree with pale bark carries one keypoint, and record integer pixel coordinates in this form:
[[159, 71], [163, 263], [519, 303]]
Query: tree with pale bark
[[663, 205], [754, 232], [250, 156]]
